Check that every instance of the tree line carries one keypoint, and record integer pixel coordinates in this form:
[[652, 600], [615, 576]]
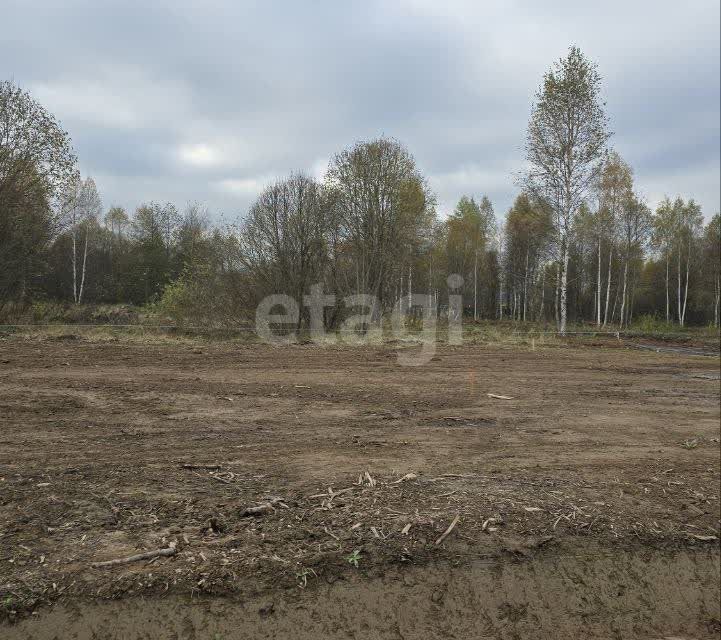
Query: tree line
[[579, 243]]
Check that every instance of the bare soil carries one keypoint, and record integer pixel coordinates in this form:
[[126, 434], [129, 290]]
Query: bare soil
[[603, 453]]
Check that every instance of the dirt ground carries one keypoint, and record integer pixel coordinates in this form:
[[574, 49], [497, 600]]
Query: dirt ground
[[112, 448]]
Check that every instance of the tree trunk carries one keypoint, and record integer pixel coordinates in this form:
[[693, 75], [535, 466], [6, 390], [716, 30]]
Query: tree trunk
[[685, 294], [556, 293], [623, 295], [475, 287], [631, 298], [85, 260], [564, 288], [598, 286], [615, 300], [678, 289], [75, 266], [668, 305], [608, 286], [500, 294], [410, 287], [525, 288]]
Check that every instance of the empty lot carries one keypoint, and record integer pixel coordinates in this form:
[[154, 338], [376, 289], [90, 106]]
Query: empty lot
[[116, 447]]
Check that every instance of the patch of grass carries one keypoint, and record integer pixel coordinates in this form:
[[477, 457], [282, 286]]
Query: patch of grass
[[302, 577], [354, 558], [652, 324]]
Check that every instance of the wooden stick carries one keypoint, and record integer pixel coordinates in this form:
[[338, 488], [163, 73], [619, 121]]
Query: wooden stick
[[147, 555], [444, 535], [207, 467]]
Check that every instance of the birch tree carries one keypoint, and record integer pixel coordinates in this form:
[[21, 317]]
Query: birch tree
[[689, 231], [81, 207], [468, 233], [635, 225], [712, 263], [565, 146], [614, 189], [666, 223], [527, 231]]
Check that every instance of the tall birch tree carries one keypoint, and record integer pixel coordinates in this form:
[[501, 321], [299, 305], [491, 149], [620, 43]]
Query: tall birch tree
[[565, 147], [81, 207]]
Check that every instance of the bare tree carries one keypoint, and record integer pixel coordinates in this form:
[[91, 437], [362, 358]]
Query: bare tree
[[565, 146], [283, 240], [385, 210]]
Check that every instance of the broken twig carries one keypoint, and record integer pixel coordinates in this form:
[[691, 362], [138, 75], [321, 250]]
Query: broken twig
[[147, 555], [444, 535]]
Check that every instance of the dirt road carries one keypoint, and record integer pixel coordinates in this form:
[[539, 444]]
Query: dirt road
[[109, 449]]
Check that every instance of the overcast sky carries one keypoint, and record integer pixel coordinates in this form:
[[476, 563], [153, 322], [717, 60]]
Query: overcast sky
[[210, 101]]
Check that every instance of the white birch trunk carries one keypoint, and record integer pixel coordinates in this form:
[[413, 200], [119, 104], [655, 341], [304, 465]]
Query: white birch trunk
[[564, 288], [685, 294], [525, 288], [608, 286], [668, 301], [475, 287], [85, 260], [556, 293], [410, 287], [598, 286], [678, 289], [75, 266], [623, 295]]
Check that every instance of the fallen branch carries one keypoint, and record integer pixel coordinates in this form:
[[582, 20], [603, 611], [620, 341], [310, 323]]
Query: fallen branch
[[264, 508], [444, 535], [260, 510], [205, 467], [405, 478], [147, 555], [331, 493]]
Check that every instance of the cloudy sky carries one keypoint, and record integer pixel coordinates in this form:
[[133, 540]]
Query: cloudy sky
[[210, 101]]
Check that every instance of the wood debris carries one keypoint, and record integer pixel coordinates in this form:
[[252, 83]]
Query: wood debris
[[444, 535], [147, 555]]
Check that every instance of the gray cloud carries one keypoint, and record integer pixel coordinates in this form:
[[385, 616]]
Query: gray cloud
[[182, 101]]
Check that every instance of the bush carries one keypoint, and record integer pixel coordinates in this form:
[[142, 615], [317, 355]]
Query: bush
[[652, 324], [204, 299]]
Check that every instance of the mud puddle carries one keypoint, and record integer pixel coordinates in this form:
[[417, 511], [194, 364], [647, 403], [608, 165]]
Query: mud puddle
[[618, 594]]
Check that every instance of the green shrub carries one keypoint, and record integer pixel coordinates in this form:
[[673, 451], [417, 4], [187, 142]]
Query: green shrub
[[652, 324]]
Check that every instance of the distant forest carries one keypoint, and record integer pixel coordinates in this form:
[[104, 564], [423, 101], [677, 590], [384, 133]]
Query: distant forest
[[579, 244]]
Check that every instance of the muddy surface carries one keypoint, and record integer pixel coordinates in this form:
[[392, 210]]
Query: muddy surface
[[553, 596], [111, 449]]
